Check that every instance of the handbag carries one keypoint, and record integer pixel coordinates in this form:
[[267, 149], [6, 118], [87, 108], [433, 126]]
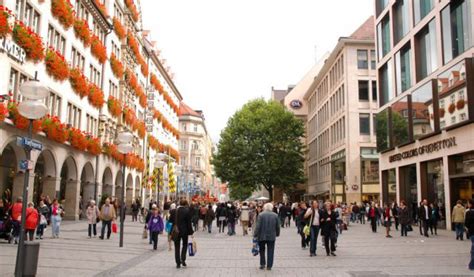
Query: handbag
[[145, 234], [306, 230], [114, 227], [255, 247], [43, 220], [168, 227], [192, 248], [409, 228], [175, 230]]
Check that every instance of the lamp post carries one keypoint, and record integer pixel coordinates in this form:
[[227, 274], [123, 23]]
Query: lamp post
[[178, 175], [124, 147], [32, 108]]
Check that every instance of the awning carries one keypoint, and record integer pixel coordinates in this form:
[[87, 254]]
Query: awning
[[369, 156]]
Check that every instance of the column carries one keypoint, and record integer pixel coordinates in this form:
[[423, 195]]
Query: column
[[71, 203], [447, 192], [18, 182], [50, 186], [418, 182], [397, 182]]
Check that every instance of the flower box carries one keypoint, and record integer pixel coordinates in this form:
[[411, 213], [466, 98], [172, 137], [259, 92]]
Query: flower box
[[460, 104], [63, 11], [77, 139], [451, 108], [101, 7], [115, 106], [93, 146], [116, 66], [129, 116], [5, 27], [82, 31], [119, 29], [55, 130], [131, 80], [28, 40], [133, 9], [143, 67], [96, 96], [98, 49], [56, 65], [133, 44], [79, 82]]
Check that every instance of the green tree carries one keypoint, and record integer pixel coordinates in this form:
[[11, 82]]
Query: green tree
[[239, 192], [399, 127], [261, 146]]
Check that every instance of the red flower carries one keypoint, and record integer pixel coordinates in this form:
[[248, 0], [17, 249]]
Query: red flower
[[63, 11], [460, 104], [79, 82], [82, 31], [77, 139], [143, 66], [5, 27], [29, 41], [131, 80], [130, 117], [101, 7], [119, 29], [98, 49], [115, 106], [117, 66], [141, 129], [96, 96], [133, 44], [3, 112], [133, 9], [156, 83], [157, 115], [56, 65], [93, 146]]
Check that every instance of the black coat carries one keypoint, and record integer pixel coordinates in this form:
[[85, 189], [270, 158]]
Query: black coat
[[469, 222], [328, 227], [184, 221], [422, 213]]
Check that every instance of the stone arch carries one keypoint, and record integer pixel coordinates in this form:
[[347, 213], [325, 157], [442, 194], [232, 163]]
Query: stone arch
[[118, 185], [129, 190], [69, 188], [11, 183], [137, 187], [87, 186], [45, 177], [107, 182]]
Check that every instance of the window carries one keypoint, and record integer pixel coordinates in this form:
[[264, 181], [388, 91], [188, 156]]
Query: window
[[372, 59], [81, 11], [95, 76], [426, 58], [183, 160], [362, 59], [422, 8], [198, 162], [115, 49], [54, 104], [400, 121], [456, 25], [31, 18], [380, 5], [462, 117], [73, 116], [16, 79], [441, 103], [363, 90], [453, 98], [97, 30], [370, 171], [386, 85], [422, 106], [184, 145], [113, 89], [383, 36], [402, 65], [195, 127], [92, 124], [400, 20], [382, 131], [374, 90], [183, 127], [195, 145], [364, 123], [117, 12], [56, 40], [77, 60]]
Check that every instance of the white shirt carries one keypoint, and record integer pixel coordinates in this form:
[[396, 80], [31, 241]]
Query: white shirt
[[314, 218], [426, 212]]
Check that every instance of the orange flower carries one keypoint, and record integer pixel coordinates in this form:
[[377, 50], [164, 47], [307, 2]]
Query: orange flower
[[130, 117], [79, 82], [101, 7], [133, 44], [5, 27], [29, 41], [143, 66], [98, 49], [63, 11], [3, 112], [56, 65], [77, 139], [115, 106], [117, 66], [133, 9], [131, 80], [93, 146], [118, 28], [96, 96], [82, 31]]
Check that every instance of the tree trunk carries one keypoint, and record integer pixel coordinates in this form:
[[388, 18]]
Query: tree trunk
[[270, 192]]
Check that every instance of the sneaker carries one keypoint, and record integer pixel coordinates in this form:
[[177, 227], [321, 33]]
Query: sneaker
[[262, 267], [333, 254], [184, 264]]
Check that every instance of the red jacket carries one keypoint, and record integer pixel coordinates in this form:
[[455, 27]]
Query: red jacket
[[16, 211], [31, 219]]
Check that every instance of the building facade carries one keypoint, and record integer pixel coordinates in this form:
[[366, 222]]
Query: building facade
[[195, 148], [342, 103], [425, 124], [104, 76]]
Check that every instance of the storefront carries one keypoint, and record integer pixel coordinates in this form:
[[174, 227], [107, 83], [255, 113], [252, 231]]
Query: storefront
[[369, 165], [338, 177]]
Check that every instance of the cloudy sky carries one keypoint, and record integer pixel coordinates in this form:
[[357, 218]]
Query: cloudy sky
[[227, 52]]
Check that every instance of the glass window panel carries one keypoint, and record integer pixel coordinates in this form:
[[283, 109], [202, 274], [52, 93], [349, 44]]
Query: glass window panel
[[362, 59], [422, 106], [383, 36], [386, 85], [382, 131], [364, 90], [370, 171], [422, 8], [400, 124], [402, 64], [364, 123], [374, 90], [456, 25], [400, 20], [426, 57]]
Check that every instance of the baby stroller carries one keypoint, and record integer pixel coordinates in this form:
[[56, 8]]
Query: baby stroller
[[6, 229]]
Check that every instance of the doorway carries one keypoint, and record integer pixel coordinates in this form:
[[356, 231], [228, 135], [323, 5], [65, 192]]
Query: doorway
[[462, 189]]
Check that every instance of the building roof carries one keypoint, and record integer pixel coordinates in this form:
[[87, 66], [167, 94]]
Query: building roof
[[366, 31], [186, 110]]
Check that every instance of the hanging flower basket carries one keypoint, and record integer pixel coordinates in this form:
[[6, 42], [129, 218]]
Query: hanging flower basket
[[119, 29], [131, 80], [451, 108], [79, 82], [77, 139], [96, 96], [62, 10], [55, 130], [133, 44], [29, 41], [98, 49], [144, 67], [93, 146], [141, 129], [114, 105], [129, 115], [5, 27], [56, 65], [82, 31], [460, 104], [116, 66], [133, 9]]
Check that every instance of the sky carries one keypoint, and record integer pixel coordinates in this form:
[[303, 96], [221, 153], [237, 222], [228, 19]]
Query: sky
[[224, 53]]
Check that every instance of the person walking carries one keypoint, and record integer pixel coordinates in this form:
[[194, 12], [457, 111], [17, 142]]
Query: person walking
[[435, 217], [425, 214], [135, 209], [57, 213], [362, 212], [231, 219], [313, 214], [32, 220], [209, 218], [244, 218], [107, 215], [387, 215], [469, 222], [181, 217], [302, 222], [458, 217], [169, 226], [43, 212], [147, 218], [373, 215], [15, 213], [395, 212], [156, 226], [265, 232], [92, 214], [328, 228], [404, 218]]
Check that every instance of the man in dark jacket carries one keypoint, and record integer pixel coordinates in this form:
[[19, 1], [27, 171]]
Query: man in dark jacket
[[425, 213], [182, 218], [469, 223], [266, 231], [301, 223]]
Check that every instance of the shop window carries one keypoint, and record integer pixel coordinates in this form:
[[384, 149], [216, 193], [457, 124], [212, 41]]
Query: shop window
[[408, 186], [402, 65], [370, 171], [389, 186], [400, 123], [382, 131], [400, 20], [426, 51], [386, 85], [363, 90], [456, 26], [422, 8], [362, 59], [383, 36], [422, 106]]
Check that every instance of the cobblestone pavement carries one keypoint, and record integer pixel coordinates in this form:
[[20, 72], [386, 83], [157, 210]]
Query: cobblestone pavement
[[360, 253]]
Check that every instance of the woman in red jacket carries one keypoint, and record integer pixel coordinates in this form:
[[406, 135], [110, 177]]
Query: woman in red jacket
[[32, 219]]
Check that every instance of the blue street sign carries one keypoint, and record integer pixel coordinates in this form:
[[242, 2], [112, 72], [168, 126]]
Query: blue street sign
[[26, 165], [27, 142]]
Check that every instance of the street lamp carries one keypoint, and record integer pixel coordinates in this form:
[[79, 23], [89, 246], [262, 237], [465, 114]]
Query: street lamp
[[124, 147], [32, 108], [178, 175], [159, 163]]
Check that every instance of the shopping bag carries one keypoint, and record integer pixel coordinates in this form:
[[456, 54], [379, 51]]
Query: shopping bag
[[114, 227], [145, 233], [306, 230], [255, 248], [192, 248]]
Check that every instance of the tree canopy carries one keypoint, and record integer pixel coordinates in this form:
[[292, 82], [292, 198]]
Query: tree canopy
[[261, 146]]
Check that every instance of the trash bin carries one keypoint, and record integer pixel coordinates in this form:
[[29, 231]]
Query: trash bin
[[30, 258]]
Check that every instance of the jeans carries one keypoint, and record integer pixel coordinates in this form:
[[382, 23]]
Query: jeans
[[314, 232], [209, 227], [222, 224], [16, 225], [304, 239], [471, 263], [459, 227], [29, 233], [180, 256], [55, 222], [425, 223], [92, 229], [231, 229], [154, 237], [270, 251], [404, 230], [105, 223], [362, 218]]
